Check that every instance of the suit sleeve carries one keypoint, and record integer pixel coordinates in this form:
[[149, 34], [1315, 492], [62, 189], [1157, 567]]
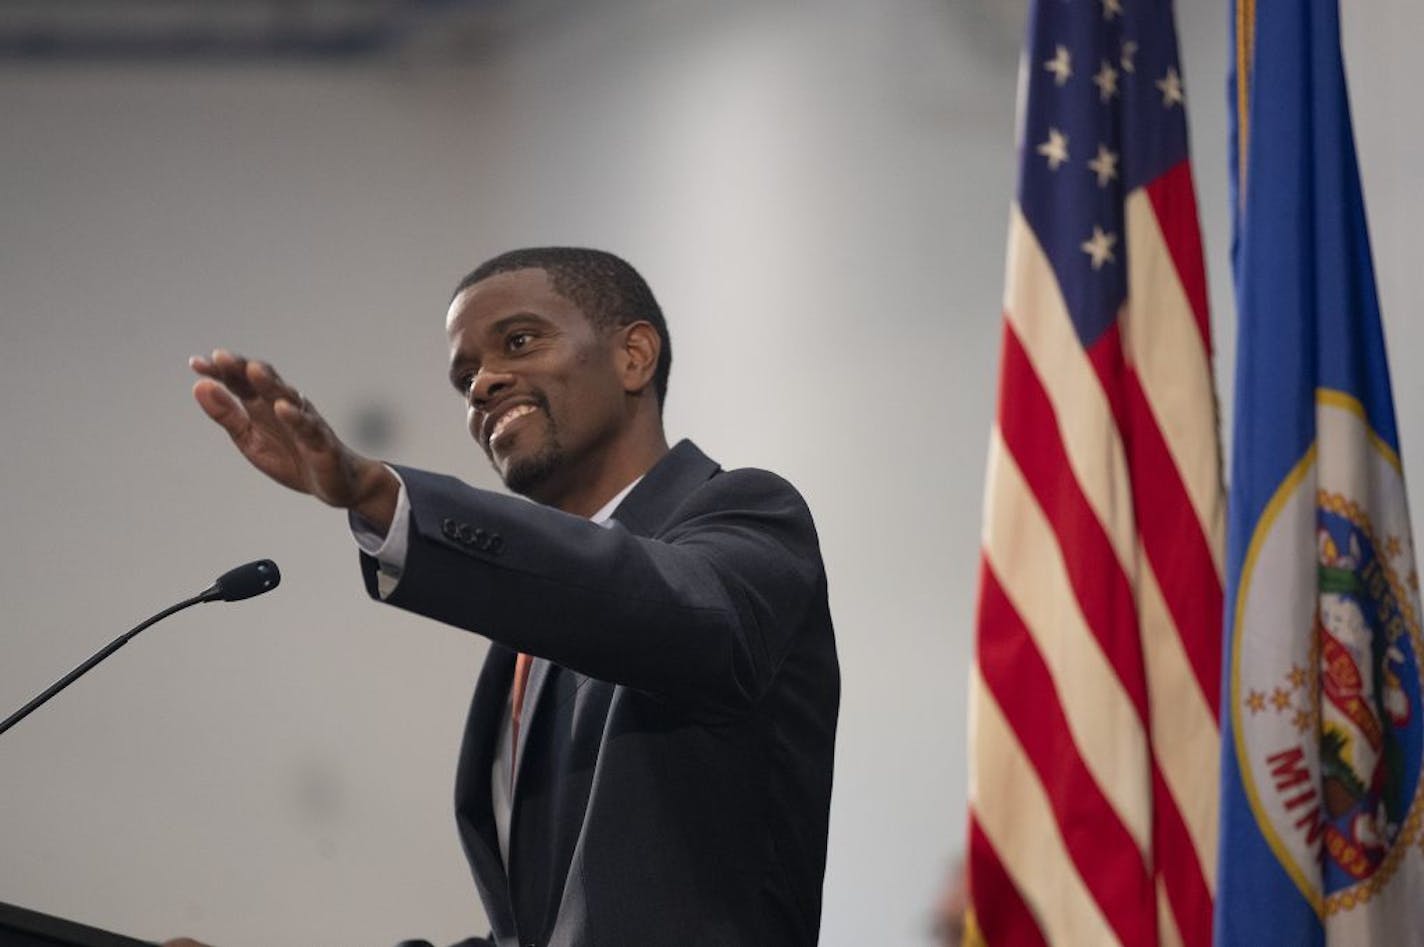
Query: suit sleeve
[[703, 615]]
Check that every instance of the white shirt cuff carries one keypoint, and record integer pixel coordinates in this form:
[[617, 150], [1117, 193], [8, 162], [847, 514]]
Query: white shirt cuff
[[389, 550]]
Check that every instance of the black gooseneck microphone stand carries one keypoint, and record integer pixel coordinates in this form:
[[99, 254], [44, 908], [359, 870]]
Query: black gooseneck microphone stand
[[245, 581]]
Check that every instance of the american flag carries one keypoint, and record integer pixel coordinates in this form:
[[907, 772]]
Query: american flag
[[1093, 707]]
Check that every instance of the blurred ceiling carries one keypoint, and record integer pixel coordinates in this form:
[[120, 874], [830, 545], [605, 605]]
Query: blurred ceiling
[[218, 30], [159, 31]]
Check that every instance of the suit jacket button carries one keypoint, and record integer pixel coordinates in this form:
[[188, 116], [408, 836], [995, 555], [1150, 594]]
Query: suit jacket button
[[496, 543], [448, 527], [478, 539], [462, 533]]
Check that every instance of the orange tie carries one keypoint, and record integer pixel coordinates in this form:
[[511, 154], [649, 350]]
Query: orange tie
[[522, 664]]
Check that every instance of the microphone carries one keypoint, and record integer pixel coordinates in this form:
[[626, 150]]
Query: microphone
[[234, 585], [245, 581]]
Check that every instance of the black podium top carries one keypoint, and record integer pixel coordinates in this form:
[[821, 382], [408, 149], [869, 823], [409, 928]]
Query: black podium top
[[20, 927]]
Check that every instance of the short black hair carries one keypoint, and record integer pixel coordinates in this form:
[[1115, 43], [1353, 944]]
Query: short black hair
[[605, 287]]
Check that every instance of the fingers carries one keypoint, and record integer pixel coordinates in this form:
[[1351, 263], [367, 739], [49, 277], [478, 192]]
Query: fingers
[[231, 370], [291, 408], [219, 405], [248, 379], [238, 392], [227, 369], [268, 384], [301, 419]]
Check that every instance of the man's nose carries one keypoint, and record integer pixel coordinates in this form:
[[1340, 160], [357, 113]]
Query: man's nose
[[487, 384]]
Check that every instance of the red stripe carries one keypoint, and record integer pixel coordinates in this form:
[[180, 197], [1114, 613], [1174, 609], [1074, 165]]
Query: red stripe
[[1179, 867], [1101, 848], [1175, 545], [1171, 534], [1030, 431], [1174, 202], [1002, 916]]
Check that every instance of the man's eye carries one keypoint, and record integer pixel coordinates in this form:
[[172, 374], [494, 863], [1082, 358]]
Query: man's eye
[[517, 340]]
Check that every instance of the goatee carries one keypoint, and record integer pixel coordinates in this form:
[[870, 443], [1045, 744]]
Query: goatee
[[524, 475]]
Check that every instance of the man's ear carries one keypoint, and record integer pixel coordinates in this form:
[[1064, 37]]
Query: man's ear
[[638, 356]]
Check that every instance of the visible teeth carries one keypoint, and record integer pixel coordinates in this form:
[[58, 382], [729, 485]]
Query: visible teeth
[[508, 416]]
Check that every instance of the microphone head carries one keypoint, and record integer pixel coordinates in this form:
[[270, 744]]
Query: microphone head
[[248, 580]]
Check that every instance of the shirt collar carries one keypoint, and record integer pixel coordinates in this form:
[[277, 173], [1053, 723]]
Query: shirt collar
[[605, 513]]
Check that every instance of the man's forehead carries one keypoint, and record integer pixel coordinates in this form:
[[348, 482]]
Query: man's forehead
[[504, 294]]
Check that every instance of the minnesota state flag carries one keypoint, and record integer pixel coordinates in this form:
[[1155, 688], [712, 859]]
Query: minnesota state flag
[[1322, 724]]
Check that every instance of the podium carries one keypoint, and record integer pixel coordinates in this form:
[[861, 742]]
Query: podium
[[20, 927]]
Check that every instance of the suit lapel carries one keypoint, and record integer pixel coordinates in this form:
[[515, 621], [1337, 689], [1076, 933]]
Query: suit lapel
[[475, 807], [661, 491]]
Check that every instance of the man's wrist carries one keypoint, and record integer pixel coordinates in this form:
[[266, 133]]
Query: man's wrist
[[376, 494]]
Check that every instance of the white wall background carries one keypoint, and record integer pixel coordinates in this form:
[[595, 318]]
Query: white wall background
[[817, 193]]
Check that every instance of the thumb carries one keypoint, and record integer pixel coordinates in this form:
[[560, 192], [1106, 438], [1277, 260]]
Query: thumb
[[217, 404]]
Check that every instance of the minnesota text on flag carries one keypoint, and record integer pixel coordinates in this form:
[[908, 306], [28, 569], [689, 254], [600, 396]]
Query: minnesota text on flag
[[1321, 804], [1094, 696]]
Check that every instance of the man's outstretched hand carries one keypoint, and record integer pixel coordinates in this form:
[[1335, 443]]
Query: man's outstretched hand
[[282, 435]]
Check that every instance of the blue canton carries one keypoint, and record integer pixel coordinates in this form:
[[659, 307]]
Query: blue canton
[[1101, 75]]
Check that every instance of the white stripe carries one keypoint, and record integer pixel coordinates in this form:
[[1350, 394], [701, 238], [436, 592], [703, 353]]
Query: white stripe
[[1167, 933], [1023, 551], [1033, 305], [1161, 340], [1010, 805], [1185, 738]]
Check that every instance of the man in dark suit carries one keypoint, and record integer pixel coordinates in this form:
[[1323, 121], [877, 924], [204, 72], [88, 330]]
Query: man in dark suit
[[648, 754]]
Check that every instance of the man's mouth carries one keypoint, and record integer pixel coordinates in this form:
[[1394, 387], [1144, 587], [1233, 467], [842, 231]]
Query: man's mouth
[[507, 418]]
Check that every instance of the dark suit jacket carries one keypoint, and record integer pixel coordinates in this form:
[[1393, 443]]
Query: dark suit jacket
[[674, 780]]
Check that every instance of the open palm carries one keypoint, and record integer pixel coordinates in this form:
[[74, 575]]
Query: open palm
[[276, 429]]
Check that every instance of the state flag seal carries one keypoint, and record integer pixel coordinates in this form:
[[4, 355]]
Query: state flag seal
[[1325, 674]]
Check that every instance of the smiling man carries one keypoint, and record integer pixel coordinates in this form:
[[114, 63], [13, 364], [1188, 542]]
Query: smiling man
[[647, 759]]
